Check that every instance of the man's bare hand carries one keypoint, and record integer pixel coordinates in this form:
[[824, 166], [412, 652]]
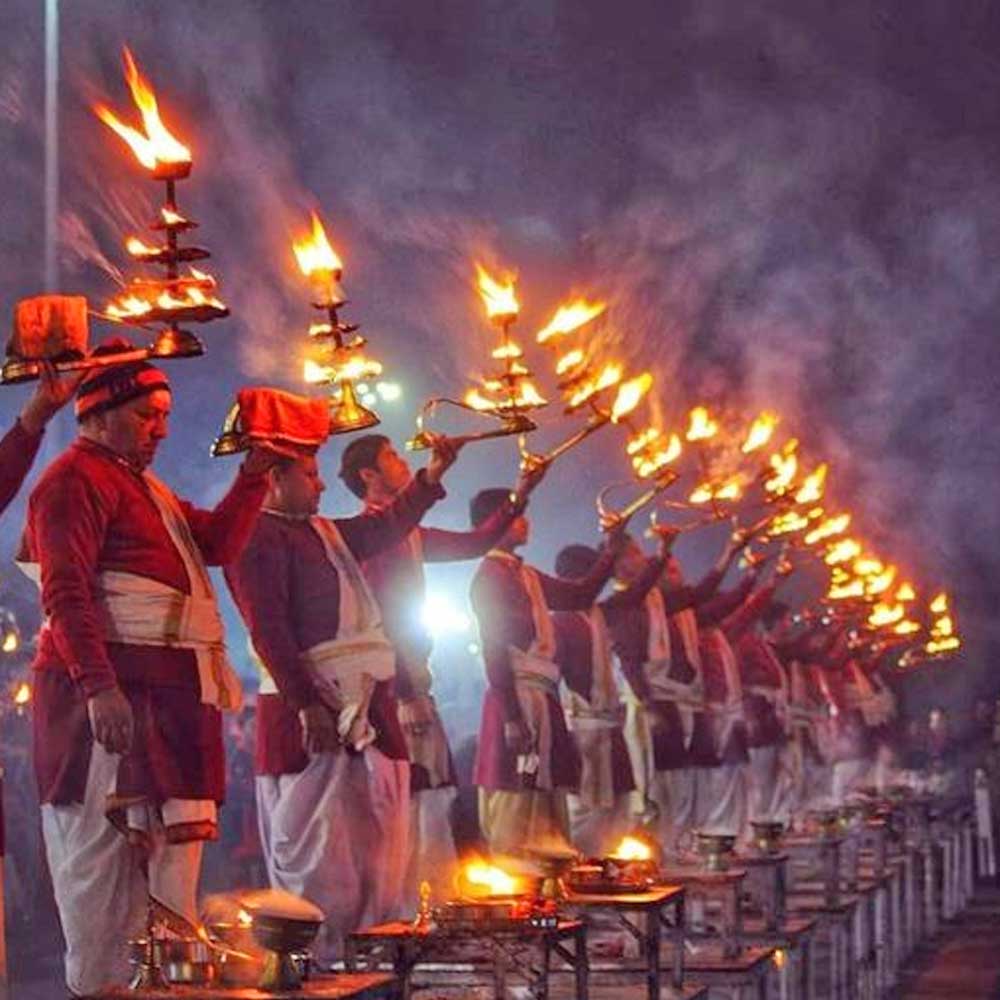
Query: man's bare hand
[[444, 451], [531, 476], [111, 720], [264, 456], [319, 729], [51, 394]]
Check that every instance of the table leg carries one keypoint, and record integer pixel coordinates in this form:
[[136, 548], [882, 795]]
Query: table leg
[[678, 935], [350, 955], [582, 964], [652, 947], [540, 984], [402, 967]]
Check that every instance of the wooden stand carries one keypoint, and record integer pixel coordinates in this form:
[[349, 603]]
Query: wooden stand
[[517, 949], [643, 915], [336, 986]]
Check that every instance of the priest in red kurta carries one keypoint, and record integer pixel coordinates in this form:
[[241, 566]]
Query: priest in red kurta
[[600, 810], [332, 769], [131, 671], [667, 729], [20, 444], [375, 472], [766, 697], [526, 761]]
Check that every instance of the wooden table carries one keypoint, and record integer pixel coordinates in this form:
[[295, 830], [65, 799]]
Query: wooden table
[[332, 986], [723, 887], [795, 938], [816, 857], [744, 975], [643, 915], [840, 922], [511, 949], [766, 884]]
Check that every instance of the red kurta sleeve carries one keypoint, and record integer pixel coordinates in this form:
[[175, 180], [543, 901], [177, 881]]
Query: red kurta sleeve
[[504, 615], [261, 585], [740, 620], [635, 593], [70, 519], [373, 531], [681, 598], [720, 606], [452, 546], [221, 533], [577, 595], [18, 449]]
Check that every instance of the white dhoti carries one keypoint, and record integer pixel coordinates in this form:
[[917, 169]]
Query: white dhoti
[[721, 798], [432, 854], [337, 834], [100, 887], [598, 817], [529, 819], [674, 794], [768, 784]]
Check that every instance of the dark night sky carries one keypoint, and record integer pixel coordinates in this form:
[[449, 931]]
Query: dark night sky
[[788, 203]]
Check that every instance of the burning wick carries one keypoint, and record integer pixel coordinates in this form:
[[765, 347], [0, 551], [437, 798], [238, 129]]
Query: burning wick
[[498, 297], [157, 150], [320, 264]]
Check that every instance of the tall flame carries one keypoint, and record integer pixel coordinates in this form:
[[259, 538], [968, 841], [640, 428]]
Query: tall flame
[[630, 395], [701, 426], [940, 604], [157, 145], [22, 694], [499, 298], [761, 431], [570, 318], [314, 253]]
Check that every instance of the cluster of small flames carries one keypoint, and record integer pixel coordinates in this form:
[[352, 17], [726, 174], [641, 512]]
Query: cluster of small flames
[[860, 583]]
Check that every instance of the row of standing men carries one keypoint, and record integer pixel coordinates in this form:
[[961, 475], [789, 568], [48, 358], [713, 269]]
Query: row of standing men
[[664, 702]]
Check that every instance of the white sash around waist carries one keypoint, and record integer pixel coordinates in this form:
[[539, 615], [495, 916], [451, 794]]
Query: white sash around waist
[[536, 680], [139, 611], [689, 698], [345, 672]]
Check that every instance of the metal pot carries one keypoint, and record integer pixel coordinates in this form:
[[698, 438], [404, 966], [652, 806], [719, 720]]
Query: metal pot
[[182, 961]]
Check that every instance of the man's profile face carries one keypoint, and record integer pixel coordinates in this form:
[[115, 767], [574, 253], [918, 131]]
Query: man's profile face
[[135, 429], [392, 469], [298, 486]]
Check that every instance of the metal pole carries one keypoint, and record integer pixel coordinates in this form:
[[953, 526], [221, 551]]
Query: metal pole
[[51, 145]]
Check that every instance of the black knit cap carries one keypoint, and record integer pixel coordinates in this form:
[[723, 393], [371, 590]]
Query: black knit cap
[[108, 388]]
